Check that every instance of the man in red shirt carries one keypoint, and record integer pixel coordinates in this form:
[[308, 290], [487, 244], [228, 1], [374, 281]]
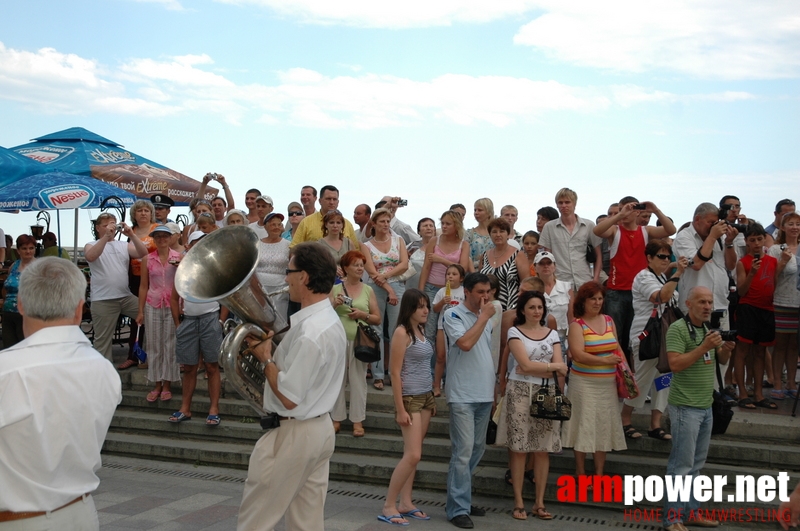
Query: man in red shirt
[[626, 243]]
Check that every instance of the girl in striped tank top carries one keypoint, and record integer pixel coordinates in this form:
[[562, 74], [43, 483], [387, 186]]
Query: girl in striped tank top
[[595, 425], [410, 368]]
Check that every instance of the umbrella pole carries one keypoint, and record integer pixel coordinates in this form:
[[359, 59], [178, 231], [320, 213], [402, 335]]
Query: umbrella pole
[[58, 229], [75, 248]]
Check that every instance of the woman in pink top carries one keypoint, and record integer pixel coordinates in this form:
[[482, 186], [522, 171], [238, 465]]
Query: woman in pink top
[[440, 253], [155, 291]]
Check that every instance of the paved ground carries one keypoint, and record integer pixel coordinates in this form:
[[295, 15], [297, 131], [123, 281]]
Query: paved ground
[[140, 494]]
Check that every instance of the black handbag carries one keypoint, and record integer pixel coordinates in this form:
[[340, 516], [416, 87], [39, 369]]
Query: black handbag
[[367, 345], [491, 432], [650, 338], [591, 253], [668, 316], [550, 403], [721, 409]]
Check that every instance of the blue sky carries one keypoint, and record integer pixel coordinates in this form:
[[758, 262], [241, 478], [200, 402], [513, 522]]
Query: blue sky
[[440, 102]]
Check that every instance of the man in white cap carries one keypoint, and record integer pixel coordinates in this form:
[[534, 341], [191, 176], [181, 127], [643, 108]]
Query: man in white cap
[[264, 206]]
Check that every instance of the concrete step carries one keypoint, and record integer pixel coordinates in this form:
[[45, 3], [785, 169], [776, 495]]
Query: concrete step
[[375, 469]]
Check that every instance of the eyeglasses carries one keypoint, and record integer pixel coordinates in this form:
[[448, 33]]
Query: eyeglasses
[[295, 213], [288, 271], [662, 256]]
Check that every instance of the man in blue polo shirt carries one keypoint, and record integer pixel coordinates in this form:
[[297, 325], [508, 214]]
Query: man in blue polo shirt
[[470, 392]]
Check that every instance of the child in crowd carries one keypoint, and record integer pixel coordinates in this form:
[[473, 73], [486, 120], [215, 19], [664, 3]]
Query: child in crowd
[[755, 315], [206, 224], [530, 245], [454, 276]]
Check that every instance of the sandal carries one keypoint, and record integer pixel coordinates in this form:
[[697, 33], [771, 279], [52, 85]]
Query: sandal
[[213, 420], [542, 514], [766, 403], [777, 394], [631, 433], [358, 431], [519, 513], [165, 396], [747, 403], [152, 396], [659, 434], [336, 426], [178, 417], [127, 364], [378, 384]]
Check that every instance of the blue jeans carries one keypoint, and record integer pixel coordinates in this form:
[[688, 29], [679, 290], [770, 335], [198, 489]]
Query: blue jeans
[[691, 435], [468, 424], [391, 312], [433, 321], [619, 306]]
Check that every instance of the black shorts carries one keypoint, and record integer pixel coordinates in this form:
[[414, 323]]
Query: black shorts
[[754, 325]]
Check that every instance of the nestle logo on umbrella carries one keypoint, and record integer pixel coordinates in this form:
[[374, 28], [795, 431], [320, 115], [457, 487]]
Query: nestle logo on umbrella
[[66, 196]]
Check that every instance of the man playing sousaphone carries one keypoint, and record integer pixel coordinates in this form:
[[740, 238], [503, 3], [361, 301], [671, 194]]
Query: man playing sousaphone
[[288, 471]]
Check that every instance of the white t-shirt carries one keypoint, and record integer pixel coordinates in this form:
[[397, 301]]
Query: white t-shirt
[[786, 293], [645, 283], [110, 272], [259, 229], [456, 298], [538, 350]]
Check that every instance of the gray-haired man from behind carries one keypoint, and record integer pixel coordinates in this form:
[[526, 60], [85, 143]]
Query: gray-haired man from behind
[[45, 407]]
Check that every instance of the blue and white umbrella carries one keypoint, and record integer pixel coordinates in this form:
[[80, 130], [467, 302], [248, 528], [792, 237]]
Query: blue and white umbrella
[[59, 191]]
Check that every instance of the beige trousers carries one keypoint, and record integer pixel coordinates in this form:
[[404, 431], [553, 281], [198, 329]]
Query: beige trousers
[[355, 372], [288, 475]]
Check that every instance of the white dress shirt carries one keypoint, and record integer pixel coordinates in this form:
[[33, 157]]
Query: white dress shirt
[[311, 360], [57, 398]]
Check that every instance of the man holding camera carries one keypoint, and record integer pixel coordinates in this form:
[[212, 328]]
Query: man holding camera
[[108, 261], [692, 349], [288, 471], [626, 242]]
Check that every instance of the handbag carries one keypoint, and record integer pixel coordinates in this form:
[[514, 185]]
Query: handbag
[[367, 345], [408, 273], [721, 409], [670, 314], [550, 403], [626, 382], [591, 253]]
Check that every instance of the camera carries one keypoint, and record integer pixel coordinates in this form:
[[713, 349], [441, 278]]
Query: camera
[[348, 300], [639, 206], [783, 247], [723, 215], [402, 202], [714, 326], [119, 227], [756, 256]]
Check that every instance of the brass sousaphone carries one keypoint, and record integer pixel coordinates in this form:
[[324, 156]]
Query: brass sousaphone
[[221, 268]]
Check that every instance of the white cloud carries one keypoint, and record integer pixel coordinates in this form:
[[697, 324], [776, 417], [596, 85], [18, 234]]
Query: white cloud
[[67, 83], [53, 82], [731, 39], [382, 14]]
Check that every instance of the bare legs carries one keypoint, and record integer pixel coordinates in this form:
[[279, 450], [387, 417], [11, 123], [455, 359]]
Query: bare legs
[[403, 475]]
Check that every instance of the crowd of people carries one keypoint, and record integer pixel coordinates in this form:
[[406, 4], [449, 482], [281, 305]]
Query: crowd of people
[[472, 314]]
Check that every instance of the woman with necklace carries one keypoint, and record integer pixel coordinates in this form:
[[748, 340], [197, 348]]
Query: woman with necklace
[[536, 356], [354, 301], [479, 239], [651, 286], [386, 260], [12, 319], [155, 294], [440, 253], [787, 307], [504, 261], [273, 259], [143, 214]]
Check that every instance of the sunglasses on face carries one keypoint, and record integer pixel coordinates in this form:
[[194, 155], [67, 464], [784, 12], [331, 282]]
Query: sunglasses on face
[[295, 213], [662, 256]]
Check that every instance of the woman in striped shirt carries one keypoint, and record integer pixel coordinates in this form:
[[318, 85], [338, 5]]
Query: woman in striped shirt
[[595, 425], [410, 367]]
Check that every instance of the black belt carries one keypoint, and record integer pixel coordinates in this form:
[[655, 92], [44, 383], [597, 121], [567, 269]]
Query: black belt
[[272, 420]]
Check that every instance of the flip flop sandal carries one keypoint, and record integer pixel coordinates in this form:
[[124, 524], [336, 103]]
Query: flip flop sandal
[[659, 434], [542, 514], [747, 403], [766, 403], [519, 513], [213, 420], [415, 514], [390, 519], [166, 395], [630, 432], [378, 384], [152, 396], [179, 417]]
